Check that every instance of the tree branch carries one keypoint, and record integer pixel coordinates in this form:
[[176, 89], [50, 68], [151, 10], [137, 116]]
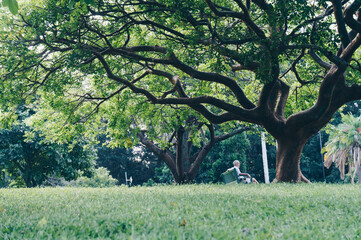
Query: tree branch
[[201, 154], [168, 159], [341, 27], [244, 16], [280, 108], [350, 21]]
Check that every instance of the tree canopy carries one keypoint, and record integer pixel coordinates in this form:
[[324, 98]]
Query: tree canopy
[[286, 65]]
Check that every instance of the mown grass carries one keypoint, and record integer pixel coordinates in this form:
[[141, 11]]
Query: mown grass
[[280, 211]]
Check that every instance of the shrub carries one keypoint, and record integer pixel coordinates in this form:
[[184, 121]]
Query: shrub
[[101, 178]]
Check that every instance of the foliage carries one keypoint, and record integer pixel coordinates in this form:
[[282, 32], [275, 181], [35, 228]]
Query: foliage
[[352, 108], [312, 159], [279, 211], [12, 5], [33, 160], [344, 146], [100, 178], [222, 156], [138, 162], [9, 181], [163, 175], [254, 155]]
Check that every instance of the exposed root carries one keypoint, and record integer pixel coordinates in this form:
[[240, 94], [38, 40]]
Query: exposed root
[[275, 180], [301, 179], [304, 179]]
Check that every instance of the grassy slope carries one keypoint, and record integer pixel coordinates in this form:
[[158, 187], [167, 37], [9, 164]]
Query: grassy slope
[[278, 211]]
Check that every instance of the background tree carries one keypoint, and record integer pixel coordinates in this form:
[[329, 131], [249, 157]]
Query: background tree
[[344, 147], [297, 67], [139, 163], [34, 160], [181, 157]]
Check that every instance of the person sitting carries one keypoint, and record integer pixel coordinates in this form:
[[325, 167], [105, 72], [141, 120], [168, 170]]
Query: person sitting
[[244, 177]]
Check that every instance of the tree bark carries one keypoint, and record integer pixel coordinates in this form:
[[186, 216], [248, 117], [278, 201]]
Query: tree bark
[[181, 153], [29, 182], [288, 161]]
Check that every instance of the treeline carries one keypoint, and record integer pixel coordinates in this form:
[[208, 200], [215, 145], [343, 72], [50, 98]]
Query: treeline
[[32, 161]]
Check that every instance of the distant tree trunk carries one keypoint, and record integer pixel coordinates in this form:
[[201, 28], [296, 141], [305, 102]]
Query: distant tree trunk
[[181, 153], [29, 182], [359, 174], [26, 175]]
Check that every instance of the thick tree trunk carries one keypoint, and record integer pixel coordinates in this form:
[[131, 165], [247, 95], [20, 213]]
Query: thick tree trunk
[[288, 161], [29, 182], [181, 155]]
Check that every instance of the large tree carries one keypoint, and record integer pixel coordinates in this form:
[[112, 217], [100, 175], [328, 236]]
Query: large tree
[[286, 65]]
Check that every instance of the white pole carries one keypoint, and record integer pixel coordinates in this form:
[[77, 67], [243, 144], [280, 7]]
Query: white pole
[[264, 157]]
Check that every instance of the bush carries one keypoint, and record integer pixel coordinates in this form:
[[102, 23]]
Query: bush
[[54, 181], [101, 178]]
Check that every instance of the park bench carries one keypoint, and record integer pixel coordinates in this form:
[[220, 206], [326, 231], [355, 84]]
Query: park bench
[[231, 177]]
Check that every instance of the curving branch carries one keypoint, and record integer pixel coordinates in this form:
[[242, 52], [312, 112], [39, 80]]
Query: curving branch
[[168, 158], [319, 61], [202, 153], [333, 58], [341, 27], [349, 12], [231, 110], [195, 103], [294, 70], [215, 77], [280, 108], [224, 13], [175, 80], [351, 49], [244, 16], [174, 61]]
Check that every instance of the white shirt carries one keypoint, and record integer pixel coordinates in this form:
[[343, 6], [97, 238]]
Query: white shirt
[[244, 179], [237, 170]]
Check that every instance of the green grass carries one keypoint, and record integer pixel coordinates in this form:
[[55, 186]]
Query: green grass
[[278, 211]]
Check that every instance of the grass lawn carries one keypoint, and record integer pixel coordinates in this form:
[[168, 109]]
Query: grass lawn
[[278, 211]]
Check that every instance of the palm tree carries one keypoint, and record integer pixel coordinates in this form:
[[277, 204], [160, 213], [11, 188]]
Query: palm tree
[[344, 146]]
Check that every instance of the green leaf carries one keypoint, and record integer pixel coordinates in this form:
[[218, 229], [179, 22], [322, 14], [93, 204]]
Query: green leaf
[[5, 3], [71, 4], [90, 2], [13, 6]]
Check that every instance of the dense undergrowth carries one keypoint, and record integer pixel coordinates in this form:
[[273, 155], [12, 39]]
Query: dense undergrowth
[[276, 211]]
